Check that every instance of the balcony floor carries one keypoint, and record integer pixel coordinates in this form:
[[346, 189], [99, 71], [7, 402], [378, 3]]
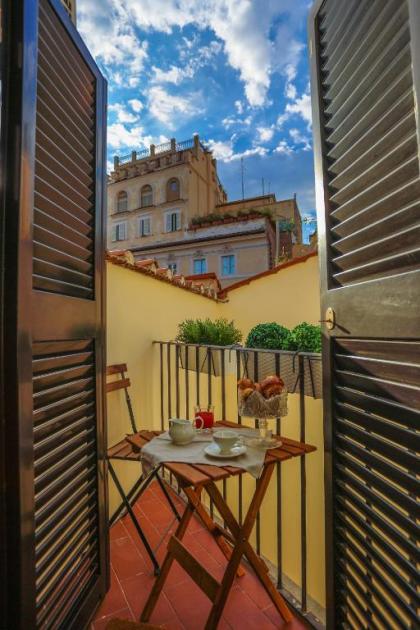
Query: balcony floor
[[182, 605]]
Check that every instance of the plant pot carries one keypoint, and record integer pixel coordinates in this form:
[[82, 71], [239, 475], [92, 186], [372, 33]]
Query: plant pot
[[199, 361], [286, 365]]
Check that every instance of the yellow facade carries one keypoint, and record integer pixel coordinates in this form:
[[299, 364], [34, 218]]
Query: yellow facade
[[141, 309]]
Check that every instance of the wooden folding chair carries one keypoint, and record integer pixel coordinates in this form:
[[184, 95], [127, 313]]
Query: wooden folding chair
[[129, 449]]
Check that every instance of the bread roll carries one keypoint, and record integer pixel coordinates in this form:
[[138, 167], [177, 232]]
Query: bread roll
[[273, 390], [271, 380], [245, 383], [247, 392]]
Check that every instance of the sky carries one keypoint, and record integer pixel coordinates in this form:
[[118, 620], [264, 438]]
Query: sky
[[233, 71]]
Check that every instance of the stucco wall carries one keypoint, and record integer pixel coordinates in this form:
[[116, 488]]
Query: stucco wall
[[141, 309]]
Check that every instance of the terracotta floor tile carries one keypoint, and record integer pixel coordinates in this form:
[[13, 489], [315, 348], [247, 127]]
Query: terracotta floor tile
[[117, 531], [126, 559], [137, 589], [181, 605], [100, 624], [252, 586], [241, 612], [114, 600]]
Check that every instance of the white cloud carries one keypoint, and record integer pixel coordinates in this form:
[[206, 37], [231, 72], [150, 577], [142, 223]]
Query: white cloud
[[120, 137], [283, 148], [174, 75], [239, 107], [242, 26], [302, 107], [170, 109], [123, 115], [231, 121], [224, 151], [299, 138], [136, 105], [265, 134]]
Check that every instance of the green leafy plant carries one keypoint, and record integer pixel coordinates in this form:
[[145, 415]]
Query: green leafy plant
[[306, 338], [218, 332], [270, 336]]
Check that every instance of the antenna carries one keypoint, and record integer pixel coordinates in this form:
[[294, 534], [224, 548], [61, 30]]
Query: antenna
[[242, 177]]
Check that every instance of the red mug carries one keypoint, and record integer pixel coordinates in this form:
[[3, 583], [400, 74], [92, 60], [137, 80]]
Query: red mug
[[207, 417]]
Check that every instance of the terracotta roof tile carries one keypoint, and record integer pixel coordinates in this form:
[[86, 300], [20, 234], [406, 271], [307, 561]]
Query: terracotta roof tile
[[125, 258]]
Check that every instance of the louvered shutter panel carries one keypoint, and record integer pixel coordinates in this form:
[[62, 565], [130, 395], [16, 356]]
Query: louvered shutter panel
[[113, 233], [366, 95], [57, 443], [169, 222]]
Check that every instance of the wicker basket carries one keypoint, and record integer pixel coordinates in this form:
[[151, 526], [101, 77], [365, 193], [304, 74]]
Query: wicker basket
[[256, 406]]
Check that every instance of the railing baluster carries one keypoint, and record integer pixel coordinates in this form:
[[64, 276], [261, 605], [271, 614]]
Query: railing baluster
[[223, 388], [197, 375], [162, 415], [209, 399], [168, 350], [240, 497], [187, 382], [177, 380], [279, 496], [257, 422], [302, 419]]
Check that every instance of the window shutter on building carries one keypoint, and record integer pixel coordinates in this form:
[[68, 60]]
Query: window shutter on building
[[55, 108], [169, 222], [365, 98], [113, 233]]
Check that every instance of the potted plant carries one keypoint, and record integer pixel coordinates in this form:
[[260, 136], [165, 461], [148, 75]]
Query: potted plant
[[205, 332], [307, 338], [272, 336]]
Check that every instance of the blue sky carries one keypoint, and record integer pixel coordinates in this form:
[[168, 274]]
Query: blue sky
[[234, 71]]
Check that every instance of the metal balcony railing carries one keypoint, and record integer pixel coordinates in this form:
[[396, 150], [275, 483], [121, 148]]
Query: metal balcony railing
[[196, 375]]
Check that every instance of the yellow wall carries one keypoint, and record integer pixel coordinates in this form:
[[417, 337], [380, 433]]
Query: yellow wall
[[141, 309]]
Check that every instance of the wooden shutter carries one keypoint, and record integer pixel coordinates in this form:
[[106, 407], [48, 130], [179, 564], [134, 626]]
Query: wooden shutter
[[366, 96], [56, 342]]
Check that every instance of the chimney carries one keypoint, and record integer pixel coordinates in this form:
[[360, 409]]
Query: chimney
[[116, 162], [133, 156], [152, 150], [173, 145], [196, 144]]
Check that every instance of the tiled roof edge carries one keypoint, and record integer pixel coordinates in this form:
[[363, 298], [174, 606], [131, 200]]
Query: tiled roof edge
[[295, 261], [124, 258]]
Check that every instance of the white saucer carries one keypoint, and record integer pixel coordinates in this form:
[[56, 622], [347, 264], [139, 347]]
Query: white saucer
[[214, 451], [267, 445]]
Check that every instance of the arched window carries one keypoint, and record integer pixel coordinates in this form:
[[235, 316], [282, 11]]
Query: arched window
[[122, 201], [172, 189], [146, 196]]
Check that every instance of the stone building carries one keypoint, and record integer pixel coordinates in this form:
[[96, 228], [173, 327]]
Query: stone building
[[168, 204]]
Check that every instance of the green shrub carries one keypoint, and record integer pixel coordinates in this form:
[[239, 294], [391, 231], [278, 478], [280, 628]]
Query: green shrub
[[270, 336], [306, 338], [218, 332]]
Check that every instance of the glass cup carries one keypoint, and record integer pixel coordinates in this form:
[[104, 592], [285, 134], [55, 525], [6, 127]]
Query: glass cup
[[206, 414]]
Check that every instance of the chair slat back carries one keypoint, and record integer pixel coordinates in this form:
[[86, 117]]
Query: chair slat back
[[122, 383]]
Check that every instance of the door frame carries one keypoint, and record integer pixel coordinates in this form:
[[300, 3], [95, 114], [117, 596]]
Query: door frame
[[18, 325]]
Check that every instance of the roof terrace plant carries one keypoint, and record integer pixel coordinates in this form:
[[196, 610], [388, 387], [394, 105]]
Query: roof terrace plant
[[218, 332]]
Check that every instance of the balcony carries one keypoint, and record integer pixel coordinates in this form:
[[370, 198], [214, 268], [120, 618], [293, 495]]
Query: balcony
[[289, 531]]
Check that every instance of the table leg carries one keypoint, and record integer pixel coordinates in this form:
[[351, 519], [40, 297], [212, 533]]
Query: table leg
[[169, 558], [217, 535], [242, 534]]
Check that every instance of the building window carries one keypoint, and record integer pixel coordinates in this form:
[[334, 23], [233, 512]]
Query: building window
[[173, 267], [173, 221], [122, 201], [199, 266], [119, 231], [146, 196], [145, 226], [172, 189], [228, 265]]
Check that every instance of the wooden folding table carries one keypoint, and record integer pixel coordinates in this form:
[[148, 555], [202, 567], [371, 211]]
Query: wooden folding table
[[234, 540]]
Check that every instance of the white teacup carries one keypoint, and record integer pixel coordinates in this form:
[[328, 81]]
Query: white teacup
[[225, 440]]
